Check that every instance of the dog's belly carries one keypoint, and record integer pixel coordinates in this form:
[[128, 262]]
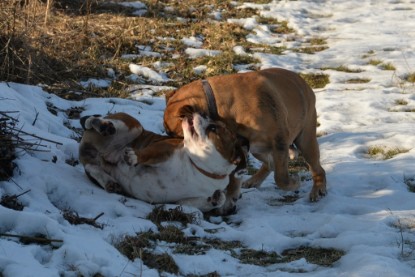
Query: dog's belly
[[167, 182]]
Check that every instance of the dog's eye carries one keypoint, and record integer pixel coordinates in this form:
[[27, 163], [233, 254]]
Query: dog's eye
[[212, 128]]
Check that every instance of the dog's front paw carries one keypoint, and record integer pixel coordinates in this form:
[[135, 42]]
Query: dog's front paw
[[251, 183], [319, 187], [293, 185], [130, 156], [114, 187], [217, 199], [316, 193], [228, 208]]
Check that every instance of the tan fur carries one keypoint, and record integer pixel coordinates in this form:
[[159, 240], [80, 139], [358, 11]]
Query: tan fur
[[272, 108]]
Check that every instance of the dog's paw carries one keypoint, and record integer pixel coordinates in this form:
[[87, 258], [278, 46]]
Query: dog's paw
[[317, 192], [250, 183], [106, 128], [293, 185], [319, 189], [114, 187], [228, 208], [217, 199], [130, 156]]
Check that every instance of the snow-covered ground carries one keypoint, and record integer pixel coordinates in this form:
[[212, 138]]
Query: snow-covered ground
[[368, 213]]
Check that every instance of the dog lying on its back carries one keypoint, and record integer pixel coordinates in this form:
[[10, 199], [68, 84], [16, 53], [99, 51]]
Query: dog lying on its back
[[200, 170]]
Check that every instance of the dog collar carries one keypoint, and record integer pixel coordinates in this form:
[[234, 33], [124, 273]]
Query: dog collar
[[208, 174], [210, 99]]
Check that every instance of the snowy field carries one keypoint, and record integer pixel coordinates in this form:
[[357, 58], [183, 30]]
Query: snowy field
[[369, 212]]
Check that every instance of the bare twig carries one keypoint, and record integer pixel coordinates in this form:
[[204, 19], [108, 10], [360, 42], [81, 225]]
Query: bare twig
[[74, 218], [15, 196], [98, 216], [35, 136], [13, 181], [36, 116], [29, 239]]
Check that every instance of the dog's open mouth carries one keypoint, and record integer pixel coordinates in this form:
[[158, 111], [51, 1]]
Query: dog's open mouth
[[190, 125]]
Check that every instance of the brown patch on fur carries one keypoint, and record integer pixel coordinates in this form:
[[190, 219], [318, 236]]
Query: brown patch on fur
[[130, 121], [159, 151]]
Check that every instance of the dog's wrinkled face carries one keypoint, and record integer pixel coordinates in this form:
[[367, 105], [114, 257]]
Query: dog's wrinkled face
[[210, 141]]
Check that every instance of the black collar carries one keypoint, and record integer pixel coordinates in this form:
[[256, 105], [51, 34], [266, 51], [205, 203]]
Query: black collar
[[210, 99]]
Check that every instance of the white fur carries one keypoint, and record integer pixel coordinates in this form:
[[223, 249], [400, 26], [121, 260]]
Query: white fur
[[176, 180], [201, 149]]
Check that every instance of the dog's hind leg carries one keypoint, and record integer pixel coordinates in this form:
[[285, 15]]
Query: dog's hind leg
[[280, 153], [101, 178], [308, 146]]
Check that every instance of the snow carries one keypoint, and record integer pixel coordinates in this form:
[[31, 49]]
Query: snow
[[195, 53], [98, 83], [148, 73], [140, 7], [192, 42], [249, 23], [368, 212], [200, 69]]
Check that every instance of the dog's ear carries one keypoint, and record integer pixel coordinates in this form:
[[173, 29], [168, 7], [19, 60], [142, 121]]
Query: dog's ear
[[186, 111], [82, 121], [169, 94], [84, 118]]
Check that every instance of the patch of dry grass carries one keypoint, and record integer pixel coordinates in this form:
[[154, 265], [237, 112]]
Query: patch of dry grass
[[374, 62], [401, 102], [387, 66], [83, 39], [343, 68], [76, 40], [384, 152], [316, 80], [160, 214], [357, 81], [319, 256], [410, 77]]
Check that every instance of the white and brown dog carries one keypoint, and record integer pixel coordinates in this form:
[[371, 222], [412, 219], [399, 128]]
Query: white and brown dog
[[199, 170], [272, 109]]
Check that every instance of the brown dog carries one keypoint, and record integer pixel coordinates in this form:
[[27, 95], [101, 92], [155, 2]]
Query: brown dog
[[200, 170], [271, 108]]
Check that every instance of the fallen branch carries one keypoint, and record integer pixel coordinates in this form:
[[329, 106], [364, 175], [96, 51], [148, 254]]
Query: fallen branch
[[35, 136], [15, 196], [75, 219], [29, 239]]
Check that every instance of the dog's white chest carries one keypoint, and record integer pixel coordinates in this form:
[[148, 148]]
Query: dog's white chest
[[169, 181]]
